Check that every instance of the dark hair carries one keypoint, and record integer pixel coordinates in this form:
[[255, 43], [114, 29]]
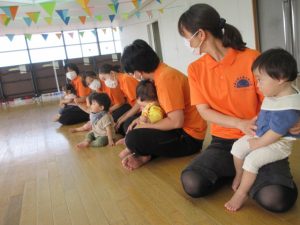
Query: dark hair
[[139, 56], [102, 99], [146, 91], [91, 96], [73, 67], [91, 74], [69, 87], [107, 68], [203, 16], [277, 63]]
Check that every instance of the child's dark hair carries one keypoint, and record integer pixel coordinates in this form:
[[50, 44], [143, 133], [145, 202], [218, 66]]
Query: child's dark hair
[[277, 63], [146, 91], [102, 99], [203, 16], [69, 87], [107, 68], [73, 67]]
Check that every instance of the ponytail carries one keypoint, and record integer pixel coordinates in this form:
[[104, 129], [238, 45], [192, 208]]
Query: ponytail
[[203, 16]]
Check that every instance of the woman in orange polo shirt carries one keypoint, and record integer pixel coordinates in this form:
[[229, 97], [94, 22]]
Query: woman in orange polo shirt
[[118, 102], [73, 114], [182, 131], [113, 79], [224, 90]]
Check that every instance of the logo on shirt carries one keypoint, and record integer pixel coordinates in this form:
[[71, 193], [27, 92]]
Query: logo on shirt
[[242, 82]]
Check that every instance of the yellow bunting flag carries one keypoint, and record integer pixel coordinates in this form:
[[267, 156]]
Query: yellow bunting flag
[[4, 19], [161, 10], [34, 16], [83, 3], [125, 16], [48, 20]]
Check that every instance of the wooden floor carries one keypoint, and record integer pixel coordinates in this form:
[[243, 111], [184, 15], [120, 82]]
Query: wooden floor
[[45, 180]]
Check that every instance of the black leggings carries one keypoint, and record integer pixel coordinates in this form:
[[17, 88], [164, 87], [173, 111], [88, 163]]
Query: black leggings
[[72, 114], [172, 143], [273, 189], [116, 114]]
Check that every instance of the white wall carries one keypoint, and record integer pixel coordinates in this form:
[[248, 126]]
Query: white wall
[[236, 12]]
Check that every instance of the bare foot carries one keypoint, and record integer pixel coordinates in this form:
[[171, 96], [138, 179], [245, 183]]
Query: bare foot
[[83, 144], [236, 201], [125, 152], [132, 162], [236, 181], [121, 142]]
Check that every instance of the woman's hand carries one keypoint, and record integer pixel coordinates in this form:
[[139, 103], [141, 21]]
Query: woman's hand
[[119, 122], [295, 129], [247, 126]]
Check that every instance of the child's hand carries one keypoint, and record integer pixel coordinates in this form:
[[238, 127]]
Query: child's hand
[[111, 143], [253, 143]]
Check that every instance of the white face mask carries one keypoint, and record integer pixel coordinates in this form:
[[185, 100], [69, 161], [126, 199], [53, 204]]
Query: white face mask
[[71, 75], [95, 85], [187, 43], [111, 83]]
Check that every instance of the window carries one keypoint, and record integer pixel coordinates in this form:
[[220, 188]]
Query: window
[[37, 41], [107, 47], [47, 54], [116, 33], [18, 43], [118, 46], [14, 58], [90, 49], [105, 34], [74, 51], [88, 36], [71, 37]]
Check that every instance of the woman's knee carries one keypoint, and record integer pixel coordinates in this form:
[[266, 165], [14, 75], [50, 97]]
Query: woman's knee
[[194, 184], [276, 198]]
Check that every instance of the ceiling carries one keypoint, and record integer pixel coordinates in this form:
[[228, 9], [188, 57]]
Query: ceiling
[[92, 10]]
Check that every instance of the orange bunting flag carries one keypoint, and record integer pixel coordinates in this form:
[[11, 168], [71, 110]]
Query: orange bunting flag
[[135, 3], [10, 11], [83, 3], [82, 19]]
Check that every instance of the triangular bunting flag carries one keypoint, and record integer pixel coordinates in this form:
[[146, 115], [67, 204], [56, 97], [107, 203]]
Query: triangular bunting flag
[[62, 13], [94, 32], [34, 16], [58, 35], [81, 33], [115, 29], [111, 17], [161, 10], [139, 3], [83, 3], [27, 20], [10, 36], [138, 14], [99, 18], [28, 36], [159, 1], [48, 7], [104, 31], [125, 16], [88, 11], [149, 13], [67, 20], [45, 36], [10, 11], [82, 19], [135, 3], [121, 29], [116, 7], [48, 20], [112, 8], [71, 34], [115, 1], [4, 19]]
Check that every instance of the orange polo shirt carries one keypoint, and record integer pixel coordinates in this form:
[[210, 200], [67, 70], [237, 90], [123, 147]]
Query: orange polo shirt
[[115, 94], [81, 90], [174, 94], [228, 86], [128, 86]]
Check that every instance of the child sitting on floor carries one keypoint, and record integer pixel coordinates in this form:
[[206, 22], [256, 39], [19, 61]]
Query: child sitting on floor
[[275, 71], [67, 99], [103, 132], [151, 111]]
